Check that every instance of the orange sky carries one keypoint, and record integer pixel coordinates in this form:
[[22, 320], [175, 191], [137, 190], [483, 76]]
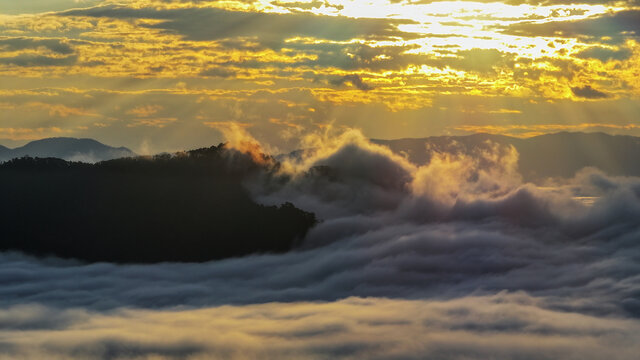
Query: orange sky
[[158, 75]]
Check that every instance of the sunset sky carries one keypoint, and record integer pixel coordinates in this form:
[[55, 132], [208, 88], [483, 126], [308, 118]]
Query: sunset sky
[[163, 75], [362, 244]]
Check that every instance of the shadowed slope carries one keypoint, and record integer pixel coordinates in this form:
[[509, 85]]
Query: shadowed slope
[[187, 207]]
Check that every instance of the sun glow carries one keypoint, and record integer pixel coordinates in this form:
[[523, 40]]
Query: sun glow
[[232, 56]]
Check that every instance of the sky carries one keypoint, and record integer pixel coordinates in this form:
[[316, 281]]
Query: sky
[[456, 258], [165, 75]]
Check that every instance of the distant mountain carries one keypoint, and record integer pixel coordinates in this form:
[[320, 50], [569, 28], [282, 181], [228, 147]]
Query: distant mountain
[[552, 155], [70, 149]]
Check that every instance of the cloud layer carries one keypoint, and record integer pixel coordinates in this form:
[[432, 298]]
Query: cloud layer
[[453, 259], [456, 226], [501, 326]]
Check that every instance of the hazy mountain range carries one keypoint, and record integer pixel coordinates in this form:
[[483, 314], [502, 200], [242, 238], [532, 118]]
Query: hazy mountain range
[[70, 149], [553, 155]]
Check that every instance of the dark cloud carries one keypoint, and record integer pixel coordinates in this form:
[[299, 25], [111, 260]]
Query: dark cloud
[[380, 58], [29, 60], [21, 43], [617, 26], [218, 72], [588, 92], [358, 56], [604, 54], [343, 56], [354, 80], [42, 6], [270, 29], [315, 4]]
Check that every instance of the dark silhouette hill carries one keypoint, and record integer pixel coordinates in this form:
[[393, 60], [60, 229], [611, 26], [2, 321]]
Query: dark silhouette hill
[[72, 149], [552, 155], [184, 207]]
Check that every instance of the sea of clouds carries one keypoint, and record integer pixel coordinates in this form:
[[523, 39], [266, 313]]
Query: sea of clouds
[[454, 259]]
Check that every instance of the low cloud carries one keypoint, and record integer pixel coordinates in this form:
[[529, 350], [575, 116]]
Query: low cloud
[[501, 326], [588, 92]]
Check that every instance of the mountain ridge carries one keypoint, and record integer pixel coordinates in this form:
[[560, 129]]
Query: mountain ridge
[[186, 207], [67, 148], [559, 154]]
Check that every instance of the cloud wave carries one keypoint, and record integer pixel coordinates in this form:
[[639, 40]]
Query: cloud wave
[[459, 225]]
